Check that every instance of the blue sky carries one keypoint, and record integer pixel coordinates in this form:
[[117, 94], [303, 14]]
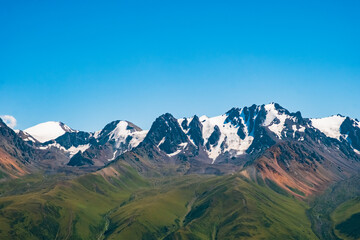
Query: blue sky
[[87, 63]]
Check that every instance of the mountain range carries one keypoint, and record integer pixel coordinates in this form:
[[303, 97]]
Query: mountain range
[[260, 139], [264, 144]]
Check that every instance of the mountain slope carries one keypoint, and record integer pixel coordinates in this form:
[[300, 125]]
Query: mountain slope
[[15, 154], [10, 167], [117, 203]]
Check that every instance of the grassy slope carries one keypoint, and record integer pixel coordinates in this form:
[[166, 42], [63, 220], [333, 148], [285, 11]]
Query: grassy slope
[[122, 205], [342, 216], [72, 209], [227, 207]]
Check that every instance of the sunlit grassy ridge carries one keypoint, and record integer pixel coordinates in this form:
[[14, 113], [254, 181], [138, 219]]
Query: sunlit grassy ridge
[[71, 209], [123, 205]]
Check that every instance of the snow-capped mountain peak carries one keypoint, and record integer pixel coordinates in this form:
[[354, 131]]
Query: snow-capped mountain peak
[[126, 131], [120, 132], [230, 132], [235, 134], [47, 131], [330, 126]]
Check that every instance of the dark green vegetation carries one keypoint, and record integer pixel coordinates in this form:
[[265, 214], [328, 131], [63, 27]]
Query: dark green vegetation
[[331, 213], [124, 205], [350, 227]]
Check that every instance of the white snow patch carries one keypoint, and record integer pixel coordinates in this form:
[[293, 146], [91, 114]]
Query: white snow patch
[[174, 153], [161, 141], [294, 129], [47, 131], [232, 142], [120, 134], [182, 147], [272, 113], [27, 137], [330, 126], [356, 124], [74, 150], [114, 156], [138, 137], [180, 121], [97, 133], [71, 151]]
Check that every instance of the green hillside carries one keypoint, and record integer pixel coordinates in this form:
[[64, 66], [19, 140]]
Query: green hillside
[[69, 209], [124, 205], [346, 219], [196, 207]]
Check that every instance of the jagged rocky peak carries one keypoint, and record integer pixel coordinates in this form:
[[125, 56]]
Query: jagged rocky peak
[[167, 134], [107, 129], [72, 139], [233, 116], [243, 130], [350, 130], [193, 128], [283, 123], [348, 125], [249, 113], [125, 136], [231, 132], [240, 131], [121, 135], [195, 131]]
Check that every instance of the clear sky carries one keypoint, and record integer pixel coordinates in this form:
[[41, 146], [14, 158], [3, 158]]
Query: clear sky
[[87, 63]]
